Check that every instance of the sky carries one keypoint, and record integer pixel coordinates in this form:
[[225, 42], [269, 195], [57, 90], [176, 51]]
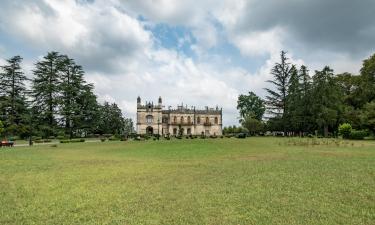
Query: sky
[[201, 53]]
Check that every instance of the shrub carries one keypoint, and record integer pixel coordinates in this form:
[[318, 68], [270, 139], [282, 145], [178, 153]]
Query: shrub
[[358, 134], [64, 141], [241, 135], [123, 138], [113, 138], [36, 138], [103, 139], [345, 129]]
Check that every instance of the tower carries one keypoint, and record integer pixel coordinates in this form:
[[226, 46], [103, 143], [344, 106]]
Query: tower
[[160, 101], [138, 101]]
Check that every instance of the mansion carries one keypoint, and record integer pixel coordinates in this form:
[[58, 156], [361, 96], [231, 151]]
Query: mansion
[[153, 119]]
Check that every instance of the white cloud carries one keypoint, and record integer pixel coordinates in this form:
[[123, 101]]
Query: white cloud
[[123, 61]]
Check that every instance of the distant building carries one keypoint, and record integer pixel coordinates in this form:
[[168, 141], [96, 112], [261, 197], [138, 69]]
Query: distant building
[[153, 119]]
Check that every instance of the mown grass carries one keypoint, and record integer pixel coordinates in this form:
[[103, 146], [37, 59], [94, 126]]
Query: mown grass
[[222, 181]]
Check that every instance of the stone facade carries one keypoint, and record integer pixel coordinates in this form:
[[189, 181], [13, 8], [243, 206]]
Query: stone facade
[[153, 119]]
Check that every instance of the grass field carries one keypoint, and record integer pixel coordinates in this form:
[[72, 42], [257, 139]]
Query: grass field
[[221, 181]]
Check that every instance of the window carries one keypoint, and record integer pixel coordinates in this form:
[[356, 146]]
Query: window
[[174, 131], [189, 120], [198, 120], [149, 119], [207, 120], [182, 119], [216, 120], [175, 119]]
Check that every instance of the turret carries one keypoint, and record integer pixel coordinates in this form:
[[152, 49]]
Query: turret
[[138, 101], [160, 101]]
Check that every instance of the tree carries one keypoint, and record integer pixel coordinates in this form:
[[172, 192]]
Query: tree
[[111, 119], [13, 105], [253, 125], [1, 128], [73, 92], [367, 85], [294, 102], [305, 100], [327, 102], [368, 116], [250, 105], [45, 92], [89, 111], [129, 126], [276, 100]]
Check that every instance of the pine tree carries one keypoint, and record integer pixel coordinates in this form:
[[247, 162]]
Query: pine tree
[[306, 100], [13, 105], [45, 93], [294, 103], [71, 87], [327, 101], [276, 100]]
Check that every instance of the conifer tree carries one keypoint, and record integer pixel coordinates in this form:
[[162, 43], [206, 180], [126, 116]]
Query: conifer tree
[[13, 105], [276, 99], [45, 93]]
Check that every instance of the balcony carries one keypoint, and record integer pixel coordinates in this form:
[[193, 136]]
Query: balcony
[[182, 123], [207, 124]]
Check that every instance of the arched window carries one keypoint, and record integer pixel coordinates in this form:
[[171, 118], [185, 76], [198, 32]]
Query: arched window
[[175, 119], [149, 119], [198, 120], [189, 120], [207, 120], [182, 119], [216, 120]]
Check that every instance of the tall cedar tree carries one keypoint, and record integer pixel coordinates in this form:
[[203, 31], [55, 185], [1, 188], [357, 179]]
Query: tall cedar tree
[[45, 93], [88, 118], [306, 100], [327, 100], [111, 121], [13, 105], [294, 103], [276, 100], [71, 88], [368, 80]]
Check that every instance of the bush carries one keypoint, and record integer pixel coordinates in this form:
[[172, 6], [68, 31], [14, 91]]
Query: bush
[[241, 135], [72, 141], [36, 138], [345, 130], [113, 138], [358, 134], [103, 139]]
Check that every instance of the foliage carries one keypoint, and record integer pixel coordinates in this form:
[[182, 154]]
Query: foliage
[[1, 128], [345, 130], [358, 134], [250, 105], [368, 116], [253, 125], [276, 100], [13, 105]]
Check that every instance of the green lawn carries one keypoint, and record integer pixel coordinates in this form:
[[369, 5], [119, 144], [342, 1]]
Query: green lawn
[[220, 181]]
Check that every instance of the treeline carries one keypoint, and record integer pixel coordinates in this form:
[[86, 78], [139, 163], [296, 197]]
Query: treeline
[[57, 101], [301, 104]]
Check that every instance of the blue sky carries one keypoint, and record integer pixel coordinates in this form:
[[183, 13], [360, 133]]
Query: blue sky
[[199, 53]]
